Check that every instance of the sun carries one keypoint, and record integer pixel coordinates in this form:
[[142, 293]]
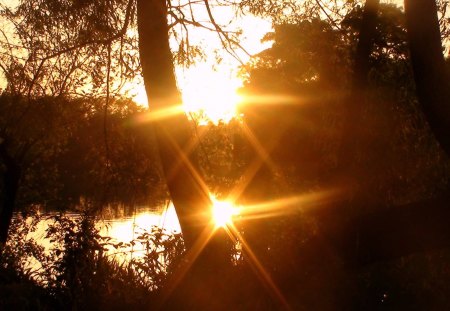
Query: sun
[[216, 103], [209, 86], [223, 212], [212, 93], [211, 96], [208, 95]]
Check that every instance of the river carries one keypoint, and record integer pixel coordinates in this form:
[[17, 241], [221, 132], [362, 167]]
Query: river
[[120, 224]]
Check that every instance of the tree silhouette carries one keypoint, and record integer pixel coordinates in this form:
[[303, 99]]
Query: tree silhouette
[[73, 44], [380, 68], [429, 68]]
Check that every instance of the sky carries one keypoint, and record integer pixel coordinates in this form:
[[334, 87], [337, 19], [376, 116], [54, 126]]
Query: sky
[[208, 85], [213, 87]]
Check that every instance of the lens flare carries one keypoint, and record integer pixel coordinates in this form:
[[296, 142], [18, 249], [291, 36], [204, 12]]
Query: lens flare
[[223, 212]]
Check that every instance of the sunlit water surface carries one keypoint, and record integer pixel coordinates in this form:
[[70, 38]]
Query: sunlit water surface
[[120, 226]]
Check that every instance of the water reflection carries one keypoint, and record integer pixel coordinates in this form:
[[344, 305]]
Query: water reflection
[[124, 229], [120, 224], [127, 228]]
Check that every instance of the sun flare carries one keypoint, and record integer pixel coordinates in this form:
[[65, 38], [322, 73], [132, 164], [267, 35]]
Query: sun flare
[[223, 212], [215, 100], [214, 103], [212, 93]]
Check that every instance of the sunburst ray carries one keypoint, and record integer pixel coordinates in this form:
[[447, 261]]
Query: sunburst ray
[[159, 114], [258, 268]]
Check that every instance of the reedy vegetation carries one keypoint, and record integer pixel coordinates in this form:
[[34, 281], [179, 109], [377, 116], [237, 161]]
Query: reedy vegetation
[[80, 269]]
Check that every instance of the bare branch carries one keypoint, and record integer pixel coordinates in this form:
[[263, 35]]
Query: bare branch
[[226, 41]]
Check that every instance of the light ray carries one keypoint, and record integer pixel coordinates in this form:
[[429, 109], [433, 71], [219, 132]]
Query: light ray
[[270, 100], [194, 252], [255, 165], [288, 205], [260, 150], [183, 159], [259, 268], [264, 153], [245, 180], [165, 113], [190, 258], [159, 114]]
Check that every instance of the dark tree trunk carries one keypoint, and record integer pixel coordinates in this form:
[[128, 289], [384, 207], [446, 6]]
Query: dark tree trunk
[[11, 180], [353, 167], [189, 195], [365, 45], [206, 257], [354, 129], [432, 84]]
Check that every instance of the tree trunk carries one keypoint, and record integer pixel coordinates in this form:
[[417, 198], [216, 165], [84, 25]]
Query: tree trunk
[[353, 166], [365, 44], [188, 192], [354, 129], [11, 180], [209, 257], [432, 83]]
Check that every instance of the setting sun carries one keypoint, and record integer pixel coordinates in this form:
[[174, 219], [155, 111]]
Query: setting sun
[[211, 95], [209, 87], [223, 212], [214, 102]]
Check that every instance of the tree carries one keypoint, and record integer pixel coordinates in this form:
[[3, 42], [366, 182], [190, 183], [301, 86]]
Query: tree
[[388, 155], [65, 40], [429, 68], [408, 226], [11, 178], [42, 59], [30, 141], [188, 192], [405, 225]]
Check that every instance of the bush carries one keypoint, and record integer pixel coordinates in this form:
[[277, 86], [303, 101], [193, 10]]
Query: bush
[[78, 271]]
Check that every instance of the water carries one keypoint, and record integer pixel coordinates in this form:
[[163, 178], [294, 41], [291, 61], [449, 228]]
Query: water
[[124, 228], [120, 224]]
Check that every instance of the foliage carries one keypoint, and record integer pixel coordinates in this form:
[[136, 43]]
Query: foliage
[[221, 153], [65, 156], [307, 72], [33, 133], [161, 255], [60, 47], [302, 55], [295, 11], [116, 161], [302, 85], [82, 48], [18, 273], [76, 270], [418, 280]]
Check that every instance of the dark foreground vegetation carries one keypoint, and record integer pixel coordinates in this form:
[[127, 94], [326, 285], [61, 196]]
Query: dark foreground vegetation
[[341, 158]]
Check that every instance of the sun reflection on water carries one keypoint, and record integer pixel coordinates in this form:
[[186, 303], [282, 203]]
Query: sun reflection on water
[[223, 212], [124, 229]]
